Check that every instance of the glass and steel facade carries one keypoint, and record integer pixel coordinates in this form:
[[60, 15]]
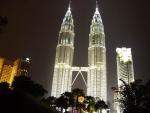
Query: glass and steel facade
[[125, 72], [124, 65], [96, 70], [62, 77], [96, 79]]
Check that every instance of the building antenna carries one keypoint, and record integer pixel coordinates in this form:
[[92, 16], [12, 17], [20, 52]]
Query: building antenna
[[97, 5], [69, 4]]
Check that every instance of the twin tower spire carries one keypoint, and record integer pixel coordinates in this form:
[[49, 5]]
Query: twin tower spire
[[68, 24], [68, 19], [96, 82]]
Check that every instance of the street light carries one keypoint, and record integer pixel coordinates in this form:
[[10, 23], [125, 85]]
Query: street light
[[80, 100]]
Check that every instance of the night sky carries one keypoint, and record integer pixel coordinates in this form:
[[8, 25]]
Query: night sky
[[33, 27]]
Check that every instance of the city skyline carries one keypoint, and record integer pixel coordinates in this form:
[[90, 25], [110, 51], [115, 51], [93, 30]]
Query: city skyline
[[126, 25]]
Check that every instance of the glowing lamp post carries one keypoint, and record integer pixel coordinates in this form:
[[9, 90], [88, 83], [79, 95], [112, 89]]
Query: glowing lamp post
[[80, 101]]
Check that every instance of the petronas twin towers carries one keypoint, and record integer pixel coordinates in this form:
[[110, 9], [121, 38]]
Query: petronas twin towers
[[96, 82]]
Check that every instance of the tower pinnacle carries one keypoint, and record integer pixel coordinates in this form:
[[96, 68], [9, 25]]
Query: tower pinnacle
[[97, 24], [96, 10], [69, 8], [68, 13], [67, 24]]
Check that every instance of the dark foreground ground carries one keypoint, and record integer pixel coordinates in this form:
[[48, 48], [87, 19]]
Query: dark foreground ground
[[16, 102]]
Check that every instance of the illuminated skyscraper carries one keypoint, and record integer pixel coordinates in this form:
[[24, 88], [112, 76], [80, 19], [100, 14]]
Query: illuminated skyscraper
[[96, 79], [96, 70], [124, 66], [24, 66], [125, 72], [62, 77], [9, 69]]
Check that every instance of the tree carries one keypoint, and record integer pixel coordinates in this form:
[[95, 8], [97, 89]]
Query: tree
[[62, 103], [70, 99], [90, 101], [147, 97], [76, 94], [127, 97], [100, 105], [135, 97], [25, 85], [4, 88], [49, 101]]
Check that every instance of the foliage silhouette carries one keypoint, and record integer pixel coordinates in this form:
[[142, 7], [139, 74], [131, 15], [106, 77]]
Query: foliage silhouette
[[76, 94], [100, 105], [49, 101], [135, 97], [90, 101], [4, 88], [19, 100], [62, 103], [26, 85]]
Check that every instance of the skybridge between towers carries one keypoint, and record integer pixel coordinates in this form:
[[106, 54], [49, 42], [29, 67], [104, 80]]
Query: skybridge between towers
[[79, 71]]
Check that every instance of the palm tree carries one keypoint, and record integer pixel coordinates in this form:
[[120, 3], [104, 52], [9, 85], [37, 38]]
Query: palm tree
[[70, 99], [59, 103], [100, 105], [49, 101], [90, 101], [62, 102], [76, 94]]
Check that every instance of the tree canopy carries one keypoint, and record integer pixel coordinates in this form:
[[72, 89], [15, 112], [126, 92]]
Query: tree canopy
[[22, 97], [135, 97], [26, 85]]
